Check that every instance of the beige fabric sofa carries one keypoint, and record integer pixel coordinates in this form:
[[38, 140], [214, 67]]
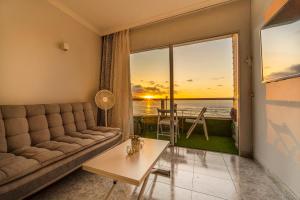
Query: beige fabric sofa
[[40, 144]]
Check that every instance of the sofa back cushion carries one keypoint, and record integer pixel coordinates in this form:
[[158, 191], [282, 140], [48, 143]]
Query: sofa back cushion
[[38, 125], [3, 144], [67, 118], [89, 115], [16, 127], [79, 116], [54, 119]]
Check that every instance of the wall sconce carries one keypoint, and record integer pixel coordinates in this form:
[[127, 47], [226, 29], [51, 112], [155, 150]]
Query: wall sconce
[[64, 46]]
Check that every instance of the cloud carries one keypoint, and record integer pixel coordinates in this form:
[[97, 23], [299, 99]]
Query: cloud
[[154, 90], [139, 90], [161, 86], [189, 80], [294, 69], [208, 88], [220, 85], [151, 82], [218, 78]]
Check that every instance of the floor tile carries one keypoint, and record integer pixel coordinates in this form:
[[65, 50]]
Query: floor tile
[[184, 153], [183, 179], [177, 164], [210, 157], [201, 196], [167, 192], [195, 174], [218, 171], [258, 189], [181, 164], [214, 186]]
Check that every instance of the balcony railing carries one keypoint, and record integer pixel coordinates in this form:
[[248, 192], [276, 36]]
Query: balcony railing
[[216, 107]]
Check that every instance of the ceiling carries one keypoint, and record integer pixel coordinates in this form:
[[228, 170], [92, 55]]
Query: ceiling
[[108, 16]]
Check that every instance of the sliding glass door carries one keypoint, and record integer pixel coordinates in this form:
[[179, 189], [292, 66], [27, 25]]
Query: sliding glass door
[[183, 77], [203, 76], [151, 79]]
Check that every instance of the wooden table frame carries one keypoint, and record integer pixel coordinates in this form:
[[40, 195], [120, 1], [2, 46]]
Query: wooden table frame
[[162, 172], [134, 169]]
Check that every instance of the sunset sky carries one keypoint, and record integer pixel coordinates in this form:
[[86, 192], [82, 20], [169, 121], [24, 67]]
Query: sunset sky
[[201, 70]]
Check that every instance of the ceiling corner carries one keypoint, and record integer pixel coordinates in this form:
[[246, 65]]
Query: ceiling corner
[[75, 16]]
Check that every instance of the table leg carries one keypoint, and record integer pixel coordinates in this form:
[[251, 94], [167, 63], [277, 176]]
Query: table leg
[[154, 171], [141, 194], [111, 189]]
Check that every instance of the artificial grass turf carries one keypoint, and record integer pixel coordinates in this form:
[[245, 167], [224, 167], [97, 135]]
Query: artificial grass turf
[[215, 126], [198, 141]]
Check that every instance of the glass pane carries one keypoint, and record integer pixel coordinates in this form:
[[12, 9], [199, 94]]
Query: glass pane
[[281, 51], [204, 70], [150, 80]]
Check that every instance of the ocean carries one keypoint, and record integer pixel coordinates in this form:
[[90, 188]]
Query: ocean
[[215, 108]]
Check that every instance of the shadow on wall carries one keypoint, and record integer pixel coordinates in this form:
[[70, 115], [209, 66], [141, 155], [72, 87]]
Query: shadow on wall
[[283, 138]]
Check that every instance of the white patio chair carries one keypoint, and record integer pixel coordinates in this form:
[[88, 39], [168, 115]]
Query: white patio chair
[[200, 119], [163, 120]]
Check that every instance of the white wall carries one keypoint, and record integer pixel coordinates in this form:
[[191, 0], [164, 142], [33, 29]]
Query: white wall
[[220, 20], [276, 115], [32, 67]]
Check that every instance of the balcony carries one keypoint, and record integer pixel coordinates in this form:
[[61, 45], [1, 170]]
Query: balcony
[[220, 125]]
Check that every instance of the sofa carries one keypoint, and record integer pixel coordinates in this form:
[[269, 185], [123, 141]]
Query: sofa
[[39, 144]]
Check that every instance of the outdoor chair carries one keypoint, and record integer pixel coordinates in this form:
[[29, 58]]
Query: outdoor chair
[[200, 119], [163, 121]]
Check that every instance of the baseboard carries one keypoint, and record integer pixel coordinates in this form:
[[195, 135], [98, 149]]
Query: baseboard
[[288, 193], [245, 154]]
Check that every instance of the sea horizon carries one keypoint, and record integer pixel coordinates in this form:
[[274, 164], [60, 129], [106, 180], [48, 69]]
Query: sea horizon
[[216, 107], [200, 98]]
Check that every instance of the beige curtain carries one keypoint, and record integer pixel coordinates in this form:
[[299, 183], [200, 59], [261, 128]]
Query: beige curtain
[[122, 112]]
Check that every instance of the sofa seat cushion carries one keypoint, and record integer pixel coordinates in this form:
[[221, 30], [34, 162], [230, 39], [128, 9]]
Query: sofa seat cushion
[[75, 140], [38, 126], [13, 167], [63, 147], [87, 136], [106, 134], [43, 156], [16, 127], [106, 129]]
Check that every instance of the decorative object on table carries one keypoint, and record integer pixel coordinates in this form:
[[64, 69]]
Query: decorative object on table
[[105, 100], [136, 145]]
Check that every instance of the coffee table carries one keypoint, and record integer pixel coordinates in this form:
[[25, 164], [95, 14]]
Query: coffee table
[[134, 169]]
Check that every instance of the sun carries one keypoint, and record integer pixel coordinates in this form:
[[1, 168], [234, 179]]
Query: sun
[[148, 97]]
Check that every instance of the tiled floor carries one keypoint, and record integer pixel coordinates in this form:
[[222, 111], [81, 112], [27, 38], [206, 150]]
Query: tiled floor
[[195, 175]]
